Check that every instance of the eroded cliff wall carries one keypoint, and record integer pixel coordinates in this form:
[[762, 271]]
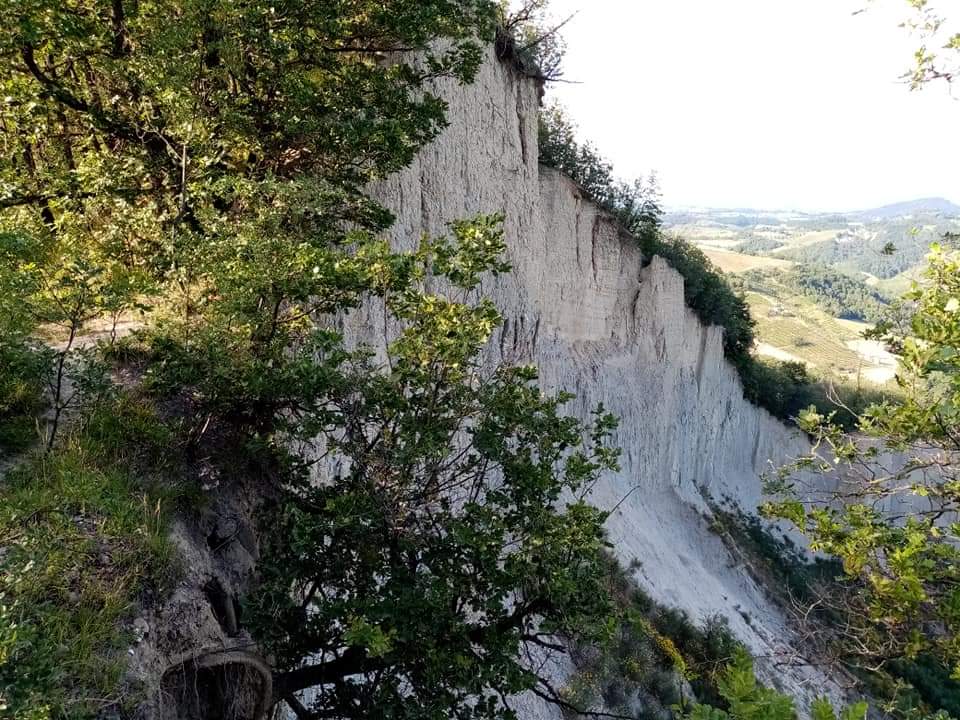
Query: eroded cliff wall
[[581, 305]]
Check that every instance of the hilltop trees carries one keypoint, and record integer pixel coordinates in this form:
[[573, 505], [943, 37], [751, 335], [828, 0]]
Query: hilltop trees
[[636, 205]]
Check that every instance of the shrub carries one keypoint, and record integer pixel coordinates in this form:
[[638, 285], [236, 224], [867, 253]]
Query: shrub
[[784, 388], [636, 205], [653, 649], [757, 245], [787, 568], [933, 687], [708, 293], [22, 368]]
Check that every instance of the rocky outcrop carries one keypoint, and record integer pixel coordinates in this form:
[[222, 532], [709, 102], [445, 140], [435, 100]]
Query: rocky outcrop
[[599, 321]]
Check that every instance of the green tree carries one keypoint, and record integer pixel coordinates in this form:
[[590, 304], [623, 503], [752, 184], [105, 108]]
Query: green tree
[[747, 699], [220, 151], [528, 36], [456, 539], [891, 519], [636, 205]]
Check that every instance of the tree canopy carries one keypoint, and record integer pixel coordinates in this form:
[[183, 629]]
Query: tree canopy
[[201, 166]]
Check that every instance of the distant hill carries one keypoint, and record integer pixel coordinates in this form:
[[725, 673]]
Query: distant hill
[[923, 206], [747, 217]]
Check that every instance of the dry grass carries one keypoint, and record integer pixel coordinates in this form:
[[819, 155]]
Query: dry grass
[[807, 238], [733, 262]]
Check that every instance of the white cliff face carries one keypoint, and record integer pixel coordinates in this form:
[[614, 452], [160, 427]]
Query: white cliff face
[[580, 305]]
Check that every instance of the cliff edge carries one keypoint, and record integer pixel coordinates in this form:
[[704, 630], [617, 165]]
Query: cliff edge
[[597, 320]]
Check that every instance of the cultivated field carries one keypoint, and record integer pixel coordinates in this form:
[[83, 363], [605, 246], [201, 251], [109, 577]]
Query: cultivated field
[[795, 329], [733, 262]]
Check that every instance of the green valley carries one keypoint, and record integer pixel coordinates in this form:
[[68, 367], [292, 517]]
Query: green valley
[[816, 282]]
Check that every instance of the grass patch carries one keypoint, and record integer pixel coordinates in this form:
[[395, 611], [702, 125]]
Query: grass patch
[[82, 544], [21, 395]]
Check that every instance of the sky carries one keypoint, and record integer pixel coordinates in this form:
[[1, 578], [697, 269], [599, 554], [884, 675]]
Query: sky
[[772, 104]]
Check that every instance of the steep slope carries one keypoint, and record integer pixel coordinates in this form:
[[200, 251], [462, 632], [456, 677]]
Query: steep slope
[[581, 306]]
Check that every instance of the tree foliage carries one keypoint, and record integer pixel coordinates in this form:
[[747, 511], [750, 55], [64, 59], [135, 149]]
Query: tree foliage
[[891, 518], [214, 150], [205, 163], [748, 699], [868, 250], [636, 205], [838, 294], [455, 540]]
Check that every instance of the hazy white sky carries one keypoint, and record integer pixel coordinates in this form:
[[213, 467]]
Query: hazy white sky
[[793, 104]]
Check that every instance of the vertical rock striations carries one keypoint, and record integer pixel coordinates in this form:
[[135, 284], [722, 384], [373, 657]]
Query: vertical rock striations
[[581, 305]]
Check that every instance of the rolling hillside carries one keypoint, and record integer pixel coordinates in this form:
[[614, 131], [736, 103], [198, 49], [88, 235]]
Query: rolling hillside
[[812, 280]]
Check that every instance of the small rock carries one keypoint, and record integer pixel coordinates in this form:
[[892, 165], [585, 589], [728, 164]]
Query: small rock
[[140, 629]]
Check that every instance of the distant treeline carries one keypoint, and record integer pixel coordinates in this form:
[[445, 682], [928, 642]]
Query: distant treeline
[[834, 292], [758, 245], [838, 294]]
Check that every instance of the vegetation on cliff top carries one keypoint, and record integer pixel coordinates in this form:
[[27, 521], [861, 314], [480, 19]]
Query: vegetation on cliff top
[[782, 388]]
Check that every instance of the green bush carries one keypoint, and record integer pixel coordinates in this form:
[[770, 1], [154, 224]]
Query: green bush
[[783, 388], [757, 245], [636, 205], [708, 293], [21, 394], [932, 687], [786, 566]]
